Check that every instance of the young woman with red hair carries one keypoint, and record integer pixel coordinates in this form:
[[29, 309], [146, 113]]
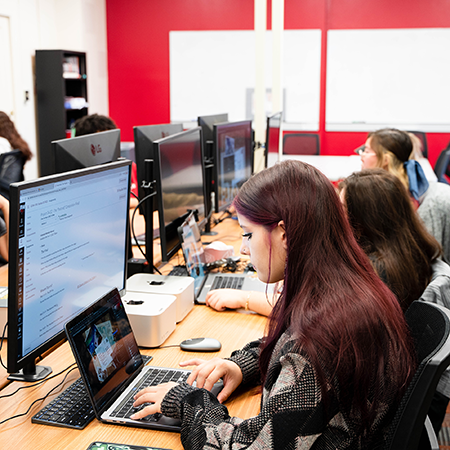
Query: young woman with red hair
[[337, 356]]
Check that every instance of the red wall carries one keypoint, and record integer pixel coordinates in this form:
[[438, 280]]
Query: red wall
[[138, 48]]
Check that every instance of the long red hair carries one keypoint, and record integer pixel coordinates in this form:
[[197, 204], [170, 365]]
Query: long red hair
[[344, 319]]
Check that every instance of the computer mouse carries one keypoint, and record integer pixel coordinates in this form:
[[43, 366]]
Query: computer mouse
[[201, 345]]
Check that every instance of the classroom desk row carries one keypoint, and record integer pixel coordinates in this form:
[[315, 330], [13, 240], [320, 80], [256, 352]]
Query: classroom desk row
[[336, 168], [232, 328]]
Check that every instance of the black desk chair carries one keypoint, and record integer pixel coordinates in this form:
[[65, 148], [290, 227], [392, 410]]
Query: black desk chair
[[441, 167], [423, 139], [301, 144], [11, 170], [430, 328]]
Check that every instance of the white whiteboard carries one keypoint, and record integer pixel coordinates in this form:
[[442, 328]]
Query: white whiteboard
[[212, 72], [389, 77]]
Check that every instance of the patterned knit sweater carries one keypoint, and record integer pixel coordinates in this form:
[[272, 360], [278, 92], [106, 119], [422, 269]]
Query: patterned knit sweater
[[291, 415]]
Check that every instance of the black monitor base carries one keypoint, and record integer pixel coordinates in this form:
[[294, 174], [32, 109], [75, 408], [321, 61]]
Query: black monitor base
[[39, 373]]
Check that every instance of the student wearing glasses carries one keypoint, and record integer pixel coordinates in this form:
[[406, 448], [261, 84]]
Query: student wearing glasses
[[390, 149], [324, 384]]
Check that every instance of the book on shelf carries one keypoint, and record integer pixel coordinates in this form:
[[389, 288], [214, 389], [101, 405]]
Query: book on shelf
[[71, 67]]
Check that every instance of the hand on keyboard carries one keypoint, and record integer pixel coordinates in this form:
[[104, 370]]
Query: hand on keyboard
[[154, 395]]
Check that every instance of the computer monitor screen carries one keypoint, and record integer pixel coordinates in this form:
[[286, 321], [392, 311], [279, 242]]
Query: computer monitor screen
[[180, 187], [144, 137], [86, 151], [273, 134], [233, 160], [68, 247]]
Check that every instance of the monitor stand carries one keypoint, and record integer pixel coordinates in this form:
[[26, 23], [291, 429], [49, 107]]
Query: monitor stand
[[210, 200], [31, 372]]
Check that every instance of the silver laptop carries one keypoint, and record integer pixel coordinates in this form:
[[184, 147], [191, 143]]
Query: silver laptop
[[112, 367], [194, 258]]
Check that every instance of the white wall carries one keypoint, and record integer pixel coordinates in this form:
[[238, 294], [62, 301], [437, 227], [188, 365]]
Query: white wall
[[78, 25]]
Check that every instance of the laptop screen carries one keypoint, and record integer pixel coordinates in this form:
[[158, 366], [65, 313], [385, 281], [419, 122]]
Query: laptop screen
[[104, 346], [193, 253]]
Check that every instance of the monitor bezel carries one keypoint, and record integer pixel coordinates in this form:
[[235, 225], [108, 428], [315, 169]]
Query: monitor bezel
[[16, 364], [166, 253], [218, 127], [144, 138]]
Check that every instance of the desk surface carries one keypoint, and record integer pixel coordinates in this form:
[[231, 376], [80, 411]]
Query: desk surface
[[337, 168], [234, 329]]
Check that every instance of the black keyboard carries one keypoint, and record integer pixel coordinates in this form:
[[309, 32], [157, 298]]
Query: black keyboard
[[227, 283], [179, 271], [152, 378], [72, 408]]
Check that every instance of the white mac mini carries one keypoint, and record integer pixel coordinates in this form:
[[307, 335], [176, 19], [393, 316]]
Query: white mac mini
[[181, 287], [152, 317]]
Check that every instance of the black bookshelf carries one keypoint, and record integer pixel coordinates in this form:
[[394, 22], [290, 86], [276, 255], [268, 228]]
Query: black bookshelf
[[61, 94]]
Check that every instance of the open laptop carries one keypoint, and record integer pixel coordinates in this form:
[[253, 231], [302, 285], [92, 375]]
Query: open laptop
[[194, 257], [112, 367]]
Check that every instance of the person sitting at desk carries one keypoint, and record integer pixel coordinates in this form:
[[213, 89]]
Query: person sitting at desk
[[316, 364], [401, 250], [95, 123], [10, 139], [390, 149], [258, 302]]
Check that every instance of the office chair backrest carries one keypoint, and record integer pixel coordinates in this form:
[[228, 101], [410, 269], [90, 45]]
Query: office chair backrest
[[442, 165], [423, 139], [11, 170], [301, 144], [430, 327]]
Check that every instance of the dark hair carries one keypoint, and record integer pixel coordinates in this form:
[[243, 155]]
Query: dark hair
[[93, 124], [389, 230], [344, 319], [9, 132], [395, 141]]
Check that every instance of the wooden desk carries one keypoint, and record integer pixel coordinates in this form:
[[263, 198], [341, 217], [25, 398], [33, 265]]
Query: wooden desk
[[233, 329]]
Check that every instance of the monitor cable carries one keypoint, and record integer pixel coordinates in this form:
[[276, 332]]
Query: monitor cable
[[42, 398], [1, 345], [225, 215], [134, 234]]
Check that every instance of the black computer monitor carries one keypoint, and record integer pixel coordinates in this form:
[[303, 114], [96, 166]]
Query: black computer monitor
[[233, 160], [144, 137], [272, 135], [207, 125], [67, 247], [86, 151], [179, 185]]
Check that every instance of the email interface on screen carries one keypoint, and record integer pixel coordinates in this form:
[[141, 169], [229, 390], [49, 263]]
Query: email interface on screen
[[72, 250]]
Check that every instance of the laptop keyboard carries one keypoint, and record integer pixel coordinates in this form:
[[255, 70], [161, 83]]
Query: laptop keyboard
[[72, 408], [227, 283], [153, 377]]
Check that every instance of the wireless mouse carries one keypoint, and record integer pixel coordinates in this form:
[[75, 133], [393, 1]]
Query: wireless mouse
[[201, 345]]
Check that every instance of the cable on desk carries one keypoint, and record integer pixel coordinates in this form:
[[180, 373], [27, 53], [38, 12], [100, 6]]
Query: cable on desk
[[134, 234], [37, 383], [40, 399], [227, 215], [1, 345]]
